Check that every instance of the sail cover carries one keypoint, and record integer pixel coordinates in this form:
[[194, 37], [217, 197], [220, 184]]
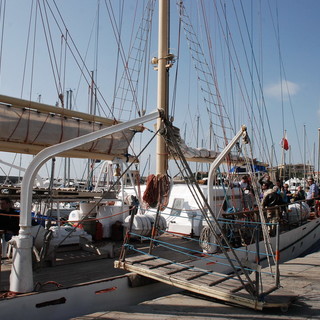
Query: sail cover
[[198, 154], [29, 130]]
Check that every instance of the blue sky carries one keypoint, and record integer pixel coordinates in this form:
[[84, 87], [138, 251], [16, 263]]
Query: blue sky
[[294, 27]]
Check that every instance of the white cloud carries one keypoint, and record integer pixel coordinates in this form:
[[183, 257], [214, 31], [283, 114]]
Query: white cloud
[[288, 88]]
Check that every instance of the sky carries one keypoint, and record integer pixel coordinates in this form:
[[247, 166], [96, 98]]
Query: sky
[[277, 49]]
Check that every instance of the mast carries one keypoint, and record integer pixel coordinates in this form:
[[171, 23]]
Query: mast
[[318, 171], [290, 162], [304, 155], [162, 101], [92, 110], [67, 162]]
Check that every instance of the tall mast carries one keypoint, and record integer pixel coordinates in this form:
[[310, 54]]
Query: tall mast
[[304, 154], [318, 171], [162, 101]]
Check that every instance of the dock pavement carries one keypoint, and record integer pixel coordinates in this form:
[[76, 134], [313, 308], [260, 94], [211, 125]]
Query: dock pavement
[[300, 276]]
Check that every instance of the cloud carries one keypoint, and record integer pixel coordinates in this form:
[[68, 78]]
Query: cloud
[[288, 88]]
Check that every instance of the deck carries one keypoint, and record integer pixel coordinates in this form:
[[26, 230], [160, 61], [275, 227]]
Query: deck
[[72, 267], [89, 265]]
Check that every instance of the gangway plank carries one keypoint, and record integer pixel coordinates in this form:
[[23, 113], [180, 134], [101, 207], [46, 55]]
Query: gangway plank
[[211, 284]]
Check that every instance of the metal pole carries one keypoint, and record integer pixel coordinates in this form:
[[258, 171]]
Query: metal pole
[[318, 178], [304, 155], [257, 261], [162, 102], [277, 256]]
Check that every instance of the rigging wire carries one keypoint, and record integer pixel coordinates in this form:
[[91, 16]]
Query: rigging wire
[[207, 80], [174, 96], [33, 52], [96, 57], [51, 51], [27, 49], [214, 75], [230, 70], [280, 58], [121, 12], [282, 67], [235, 62], [201, 201], [84, 59], [122, 54], [260, 88], [63, 58], [2, 16], [128, 84], [71, 44]]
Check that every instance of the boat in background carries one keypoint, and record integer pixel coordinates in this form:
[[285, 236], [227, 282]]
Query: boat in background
[[294, 183]]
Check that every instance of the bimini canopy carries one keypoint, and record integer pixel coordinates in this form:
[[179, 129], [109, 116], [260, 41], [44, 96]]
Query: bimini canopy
[[28, 127]]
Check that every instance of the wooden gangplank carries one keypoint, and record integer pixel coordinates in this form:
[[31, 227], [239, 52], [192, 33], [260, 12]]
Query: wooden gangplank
[[214, 285]]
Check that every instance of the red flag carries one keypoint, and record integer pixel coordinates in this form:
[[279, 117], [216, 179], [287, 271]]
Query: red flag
[[285, 144]]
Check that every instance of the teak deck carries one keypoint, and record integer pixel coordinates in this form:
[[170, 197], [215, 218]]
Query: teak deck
[[214, 285]]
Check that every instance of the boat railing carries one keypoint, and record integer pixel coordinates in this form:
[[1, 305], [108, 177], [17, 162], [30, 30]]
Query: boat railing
[[284, 209]]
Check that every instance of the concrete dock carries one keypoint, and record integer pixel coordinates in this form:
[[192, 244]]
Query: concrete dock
[[301, 276]]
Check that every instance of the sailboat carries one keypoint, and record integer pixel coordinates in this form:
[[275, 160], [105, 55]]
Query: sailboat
[[120, 290]]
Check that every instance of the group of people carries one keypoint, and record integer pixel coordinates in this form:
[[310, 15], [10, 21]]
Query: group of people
[[275, 197], [277, 194]]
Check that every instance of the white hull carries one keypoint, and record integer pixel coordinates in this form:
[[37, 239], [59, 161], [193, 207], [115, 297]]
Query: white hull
[[292, 244], [67, 303]]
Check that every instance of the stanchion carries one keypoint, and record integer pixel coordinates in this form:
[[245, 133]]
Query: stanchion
[[1, 236]]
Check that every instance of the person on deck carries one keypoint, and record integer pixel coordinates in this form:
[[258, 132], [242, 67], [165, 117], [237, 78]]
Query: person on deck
[[313, 192], [300, 194], [286, 193], [266, 179], [264, 188], [247, 193], [9, 219], [271, 201], [279, 185]]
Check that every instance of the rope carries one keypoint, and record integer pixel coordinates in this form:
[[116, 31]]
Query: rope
[[157, 191], [38, 286]]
